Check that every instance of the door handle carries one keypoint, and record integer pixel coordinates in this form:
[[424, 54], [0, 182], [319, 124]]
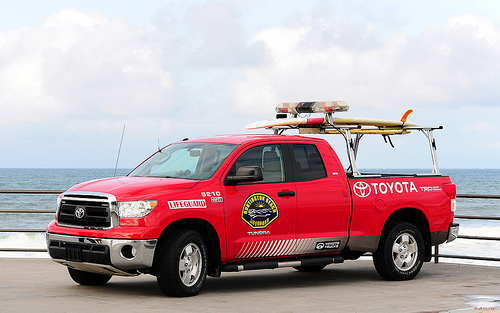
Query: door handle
[[286, 194]]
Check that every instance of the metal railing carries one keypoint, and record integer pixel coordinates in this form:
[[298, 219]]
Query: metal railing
[[436, 254], [13, 230]]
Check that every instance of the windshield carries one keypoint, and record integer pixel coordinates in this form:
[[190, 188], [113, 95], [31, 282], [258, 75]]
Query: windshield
[[197, 161]]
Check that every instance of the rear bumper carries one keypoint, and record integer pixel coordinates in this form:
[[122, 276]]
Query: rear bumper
[[102, 255], [453, 232], [444, 236]]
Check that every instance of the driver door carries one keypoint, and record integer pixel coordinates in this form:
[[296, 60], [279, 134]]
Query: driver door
[[260, 216]]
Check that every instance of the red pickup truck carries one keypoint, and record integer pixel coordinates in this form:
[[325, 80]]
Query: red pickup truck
[[241, 202]]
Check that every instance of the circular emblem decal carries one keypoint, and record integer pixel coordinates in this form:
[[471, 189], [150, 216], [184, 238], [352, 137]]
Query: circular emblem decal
[[79, 212], [362, 189], [259, 210]]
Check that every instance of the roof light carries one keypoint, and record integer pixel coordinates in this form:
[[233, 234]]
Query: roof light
[[312, 107]]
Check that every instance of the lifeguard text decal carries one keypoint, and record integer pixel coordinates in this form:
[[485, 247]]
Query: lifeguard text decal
[[259, 210], [363, 189], [187, 204]]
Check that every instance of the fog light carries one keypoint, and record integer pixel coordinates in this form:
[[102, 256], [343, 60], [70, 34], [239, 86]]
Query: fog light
[[129, 252]]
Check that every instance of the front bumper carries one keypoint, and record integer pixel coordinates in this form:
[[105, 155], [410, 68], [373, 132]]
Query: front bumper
[[102, 255]]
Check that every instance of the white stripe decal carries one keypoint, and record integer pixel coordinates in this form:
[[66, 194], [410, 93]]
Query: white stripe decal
[[284, 248], [262, 250], [244, 249], [266, 248], [274, 252], [281, 247], [291, 247], [304, 246], [258, 246], [308, 245], [238, 255], [300, 244], [271, 248], [255, 248], [251, 249]]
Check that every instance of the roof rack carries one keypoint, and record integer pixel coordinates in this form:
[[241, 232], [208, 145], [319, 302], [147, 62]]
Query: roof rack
[[352, 129]]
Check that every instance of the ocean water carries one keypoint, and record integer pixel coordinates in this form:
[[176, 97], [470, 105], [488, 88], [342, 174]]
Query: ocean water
[[468, 181]]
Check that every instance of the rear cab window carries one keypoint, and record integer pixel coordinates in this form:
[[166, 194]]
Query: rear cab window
[[308, 162]]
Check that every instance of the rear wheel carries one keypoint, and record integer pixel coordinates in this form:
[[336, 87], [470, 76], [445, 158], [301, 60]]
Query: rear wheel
[[87, 278], [182, 264], [400, 254]]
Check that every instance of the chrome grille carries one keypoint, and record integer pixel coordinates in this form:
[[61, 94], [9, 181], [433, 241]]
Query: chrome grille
[[87, 210]]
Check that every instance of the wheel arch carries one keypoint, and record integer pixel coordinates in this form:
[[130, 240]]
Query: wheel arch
[[206, 230], [415, 217]]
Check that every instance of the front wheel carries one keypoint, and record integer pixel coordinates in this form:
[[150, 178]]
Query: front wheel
[[400, 254], [182, 264]]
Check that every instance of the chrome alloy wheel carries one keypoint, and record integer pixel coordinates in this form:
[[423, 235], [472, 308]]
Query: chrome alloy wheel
[[404, 252], [190, 264]]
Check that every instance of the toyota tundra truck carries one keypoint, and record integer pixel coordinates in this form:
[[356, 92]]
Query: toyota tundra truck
[[231, 203]]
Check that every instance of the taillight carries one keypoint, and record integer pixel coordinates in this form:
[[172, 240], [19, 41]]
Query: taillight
[[450, 189]]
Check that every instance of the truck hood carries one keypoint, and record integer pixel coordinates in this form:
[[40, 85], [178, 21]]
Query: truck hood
[[134, 188]]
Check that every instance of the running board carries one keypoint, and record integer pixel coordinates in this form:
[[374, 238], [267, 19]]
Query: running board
[[275, 264]]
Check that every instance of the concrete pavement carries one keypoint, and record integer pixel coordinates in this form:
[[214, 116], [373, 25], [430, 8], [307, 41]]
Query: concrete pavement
[[40, 285]]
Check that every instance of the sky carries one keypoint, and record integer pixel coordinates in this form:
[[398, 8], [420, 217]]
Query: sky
[[73, 74]]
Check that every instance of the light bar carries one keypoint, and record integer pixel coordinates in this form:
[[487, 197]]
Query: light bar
[[312, 107]]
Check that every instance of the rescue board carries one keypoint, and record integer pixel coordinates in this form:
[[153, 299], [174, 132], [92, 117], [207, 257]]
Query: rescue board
[[287, 122], [369, 122], [356, 131], [336, 120]]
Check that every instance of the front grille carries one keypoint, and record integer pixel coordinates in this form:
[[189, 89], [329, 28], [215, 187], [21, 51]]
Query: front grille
[[85, 210]]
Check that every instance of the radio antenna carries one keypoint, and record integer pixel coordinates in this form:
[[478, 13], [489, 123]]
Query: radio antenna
[[119, 149]]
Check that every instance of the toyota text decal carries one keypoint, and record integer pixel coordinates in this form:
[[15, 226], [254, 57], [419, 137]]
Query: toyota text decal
[[363, 189]]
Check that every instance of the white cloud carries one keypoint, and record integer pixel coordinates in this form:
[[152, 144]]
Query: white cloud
[[80, 64], [220, 40], [208, 67], [455, 62]]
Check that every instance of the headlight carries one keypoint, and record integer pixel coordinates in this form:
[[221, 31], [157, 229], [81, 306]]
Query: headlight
[[59, 200], [136, 208]]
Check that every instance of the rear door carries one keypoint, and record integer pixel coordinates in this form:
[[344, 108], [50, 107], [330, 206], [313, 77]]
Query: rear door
[[323, 200], [261, 216]]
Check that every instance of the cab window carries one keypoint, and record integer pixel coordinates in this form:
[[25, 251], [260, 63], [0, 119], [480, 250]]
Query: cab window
[[268, 157], [308, 162]]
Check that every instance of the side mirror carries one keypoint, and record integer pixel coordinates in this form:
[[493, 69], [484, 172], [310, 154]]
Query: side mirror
[[246, 174]]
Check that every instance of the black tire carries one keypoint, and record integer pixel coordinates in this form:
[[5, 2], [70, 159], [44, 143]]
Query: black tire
[[310, 268], [87, 278], [400, 254], [182, 247]]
